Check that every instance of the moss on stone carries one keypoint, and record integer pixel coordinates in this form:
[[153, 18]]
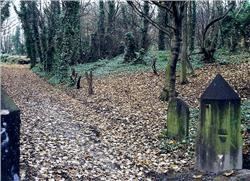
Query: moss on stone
[[219, 139], [178, 119]]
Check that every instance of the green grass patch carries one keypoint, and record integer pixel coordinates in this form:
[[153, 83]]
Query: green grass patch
[[38, 69], [54, 80], [116, 65], [223, 56], [104, 67], [51, 77]]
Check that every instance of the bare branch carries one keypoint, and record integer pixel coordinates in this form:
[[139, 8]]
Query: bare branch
[[214, 21], [155, 24], [159, 4]]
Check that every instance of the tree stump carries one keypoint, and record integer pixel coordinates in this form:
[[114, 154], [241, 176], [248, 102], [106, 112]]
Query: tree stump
[[219, 142], [153, 65], [89, 77], [177, 119], [78, 84]]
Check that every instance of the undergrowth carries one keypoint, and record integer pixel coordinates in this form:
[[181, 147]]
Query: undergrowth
[[13, 59], [169, 145], [104, 67]]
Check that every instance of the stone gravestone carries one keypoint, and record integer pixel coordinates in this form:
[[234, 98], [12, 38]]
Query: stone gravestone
[[10, 131], [178, 119], [219, 140]]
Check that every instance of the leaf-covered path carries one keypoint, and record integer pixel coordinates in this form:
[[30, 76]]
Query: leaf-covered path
[[63, 138], [112, 135], [57, 141]]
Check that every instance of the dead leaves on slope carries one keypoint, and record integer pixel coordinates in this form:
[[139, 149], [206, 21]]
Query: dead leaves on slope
[[112, 134]]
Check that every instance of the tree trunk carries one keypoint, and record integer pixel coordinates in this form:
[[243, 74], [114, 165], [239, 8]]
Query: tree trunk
[[89, 77], [44, 43], [162, 20], [145, 39], [233, 40], [124, 17], [53, 28], [169, 88], [189, 64], [173, 62], [78, 85], [192, 22], [154, 66], [35, 30], [109, 44], [184, 55], [101, 29]]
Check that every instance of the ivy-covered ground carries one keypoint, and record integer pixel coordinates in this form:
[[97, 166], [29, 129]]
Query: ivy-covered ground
[[115, 65], [116, 134]]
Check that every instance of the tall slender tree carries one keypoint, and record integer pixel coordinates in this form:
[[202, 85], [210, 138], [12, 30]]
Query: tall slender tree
[[5, 12], [110, 29], [163, 20], [17, 42], [26, 17], [184, 50], [176, 8], [124, 17], [145, 38], [111, 16], [34, 21], [70, 47], [101, 28], [192, 22], [53, 17]]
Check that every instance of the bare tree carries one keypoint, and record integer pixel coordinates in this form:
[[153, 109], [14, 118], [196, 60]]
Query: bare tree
[[208, 46], [176, 9]]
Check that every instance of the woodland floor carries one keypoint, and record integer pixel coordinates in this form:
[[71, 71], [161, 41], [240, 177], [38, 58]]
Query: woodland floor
[[112, 135]]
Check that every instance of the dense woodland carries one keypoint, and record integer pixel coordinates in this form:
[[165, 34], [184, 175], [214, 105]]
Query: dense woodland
[[59, 34]]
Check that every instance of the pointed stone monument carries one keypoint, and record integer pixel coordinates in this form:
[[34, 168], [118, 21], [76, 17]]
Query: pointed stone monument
[[219, 140]]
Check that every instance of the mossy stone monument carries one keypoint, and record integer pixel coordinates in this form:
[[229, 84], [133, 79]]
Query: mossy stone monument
[[177, 119], [10, 133], [219, 140]]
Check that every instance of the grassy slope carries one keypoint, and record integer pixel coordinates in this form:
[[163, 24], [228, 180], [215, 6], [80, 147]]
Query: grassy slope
[[115, 65]]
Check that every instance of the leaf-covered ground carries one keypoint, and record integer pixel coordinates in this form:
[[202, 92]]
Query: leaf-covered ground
[[112, 135]]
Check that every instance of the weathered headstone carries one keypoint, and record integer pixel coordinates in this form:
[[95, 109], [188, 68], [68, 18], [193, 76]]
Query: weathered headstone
[[10, 131], [178, 119], [219, 141]]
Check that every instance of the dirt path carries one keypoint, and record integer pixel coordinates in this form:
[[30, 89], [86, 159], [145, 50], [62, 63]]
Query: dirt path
[[57, 137], [63, 138], [112, 135]]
